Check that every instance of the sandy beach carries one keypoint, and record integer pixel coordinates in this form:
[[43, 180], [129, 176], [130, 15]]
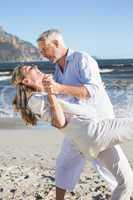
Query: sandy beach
[[27, 169]]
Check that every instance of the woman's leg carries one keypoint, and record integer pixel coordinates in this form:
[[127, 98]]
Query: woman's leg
[[112, 131]]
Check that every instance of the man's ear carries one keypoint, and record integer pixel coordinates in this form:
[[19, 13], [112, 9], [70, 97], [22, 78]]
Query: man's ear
[[56, 43]]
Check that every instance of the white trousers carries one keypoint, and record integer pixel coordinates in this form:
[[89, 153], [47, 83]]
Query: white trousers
[[111, 163]]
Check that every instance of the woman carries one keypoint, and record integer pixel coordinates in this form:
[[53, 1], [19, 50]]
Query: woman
[[89, 134]]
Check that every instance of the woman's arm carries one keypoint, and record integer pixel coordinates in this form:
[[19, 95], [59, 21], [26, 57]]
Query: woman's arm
[[57, 116]]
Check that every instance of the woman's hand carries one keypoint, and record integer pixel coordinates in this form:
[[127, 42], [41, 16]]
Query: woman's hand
[[47, 84], [50, 85]]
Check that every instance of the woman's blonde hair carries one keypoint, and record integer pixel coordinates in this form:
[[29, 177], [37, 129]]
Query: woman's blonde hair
[[21, 99]]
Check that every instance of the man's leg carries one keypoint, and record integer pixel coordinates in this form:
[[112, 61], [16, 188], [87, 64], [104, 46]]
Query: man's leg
[[105, 174], [116, 162], [69, 166], [60, 193]]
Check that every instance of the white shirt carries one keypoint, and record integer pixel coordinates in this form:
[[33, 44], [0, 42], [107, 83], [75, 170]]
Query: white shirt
[[38, 103], [81, 126]]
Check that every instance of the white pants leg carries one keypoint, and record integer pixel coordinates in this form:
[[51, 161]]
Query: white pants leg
[[116, 162], [104, 172], [70, 164]]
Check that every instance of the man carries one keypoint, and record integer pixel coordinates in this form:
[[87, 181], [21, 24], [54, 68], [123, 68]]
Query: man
[[77, 74]]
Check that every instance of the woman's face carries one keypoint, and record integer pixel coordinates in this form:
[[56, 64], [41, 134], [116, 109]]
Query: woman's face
[[32, 75]]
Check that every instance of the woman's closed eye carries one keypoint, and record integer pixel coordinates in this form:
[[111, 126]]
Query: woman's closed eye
[[30, 68]]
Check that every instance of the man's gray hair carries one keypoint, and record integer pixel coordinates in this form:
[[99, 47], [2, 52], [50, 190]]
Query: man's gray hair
[[50, 35]]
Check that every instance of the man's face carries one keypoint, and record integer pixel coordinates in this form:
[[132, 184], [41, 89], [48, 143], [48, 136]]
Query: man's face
[[50, 51], [32, 75]]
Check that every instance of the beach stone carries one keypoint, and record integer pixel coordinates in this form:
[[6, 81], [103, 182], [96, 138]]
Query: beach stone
[[72, 193], [88, 178], [108, 196], [1, 189], [98, 197], [38, 196], [96, 182], [13, 190], [24, 193], [27, 176]]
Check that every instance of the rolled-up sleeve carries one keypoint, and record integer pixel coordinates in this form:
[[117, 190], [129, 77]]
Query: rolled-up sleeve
[[89, 74]]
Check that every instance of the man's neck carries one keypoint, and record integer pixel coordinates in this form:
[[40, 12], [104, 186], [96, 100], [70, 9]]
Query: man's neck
[[62, 60]]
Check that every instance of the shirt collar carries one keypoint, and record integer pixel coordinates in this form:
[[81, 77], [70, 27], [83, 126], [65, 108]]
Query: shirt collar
[[69, 55]]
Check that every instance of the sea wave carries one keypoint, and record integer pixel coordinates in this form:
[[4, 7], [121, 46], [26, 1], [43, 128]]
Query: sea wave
[[120, 92], [106, 70], [4, 73], [2, 78]]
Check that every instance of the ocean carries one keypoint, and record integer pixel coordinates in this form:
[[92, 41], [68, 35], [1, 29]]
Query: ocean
[[117, 75]]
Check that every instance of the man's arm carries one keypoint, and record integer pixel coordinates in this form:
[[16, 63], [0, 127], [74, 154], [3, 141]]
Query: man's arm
[[77, 91], [87, 72]]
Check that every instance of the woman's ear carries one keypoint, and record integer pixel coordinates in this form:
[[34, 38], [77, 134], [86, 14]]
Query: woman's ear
[[29, 83], [26, 82]]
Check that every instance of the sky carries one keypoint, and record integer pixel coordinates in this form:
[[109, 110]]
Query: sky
[[103, 28]]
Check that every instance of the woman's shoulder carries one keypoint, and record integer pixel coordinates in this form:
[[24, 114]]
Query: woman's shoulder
[[37, 102]]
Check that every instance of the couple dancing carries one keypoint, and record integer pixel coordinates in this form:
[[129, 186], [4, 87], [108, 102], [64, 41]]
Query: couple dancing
[[74, 100]]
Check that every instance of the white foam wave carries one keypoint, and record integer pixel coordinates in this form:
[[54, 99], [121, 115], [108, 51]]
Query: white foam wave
[[4, 73], [118, 65], [2, 78], [106, 70]]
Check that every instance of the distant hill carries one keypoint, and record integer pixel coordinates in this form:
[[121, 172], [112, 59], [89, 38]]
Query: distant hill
[[14, 49]]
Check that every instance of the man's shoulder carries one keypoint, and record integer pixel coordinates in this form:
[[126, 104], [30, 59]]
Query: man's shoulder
[[80, 53], [83, 55]]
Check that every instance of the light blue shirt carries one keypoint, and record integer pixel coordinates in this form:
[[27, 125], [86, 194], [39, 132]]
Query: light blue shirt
[[81, 69]]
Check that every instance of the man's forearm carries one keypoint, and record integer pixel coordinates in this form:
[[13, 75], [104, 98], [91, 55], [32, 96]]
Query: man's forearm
[[77, 91]]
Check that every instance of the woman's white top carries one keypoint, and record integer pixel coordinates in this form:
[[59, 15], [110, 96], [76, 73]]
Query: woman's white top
[[39, 105], [82, 121]]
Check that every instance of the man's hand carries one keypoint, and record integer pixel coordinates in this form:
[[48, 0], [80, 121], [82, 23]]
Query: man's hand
[[50, 85], [79, 92]]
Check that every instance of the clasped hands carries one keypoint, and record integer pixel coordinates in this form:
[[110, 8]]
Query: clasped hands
[[50, 85]]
